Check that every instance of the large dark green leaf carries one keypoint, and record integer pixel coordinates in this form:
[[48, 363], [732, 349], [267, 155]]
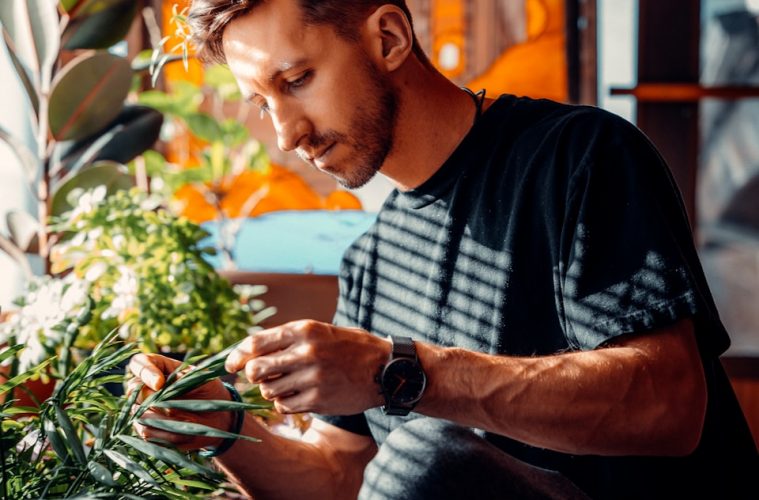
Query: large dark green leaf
[[88, 94], [111, 175], [136, 129], [101, 25]]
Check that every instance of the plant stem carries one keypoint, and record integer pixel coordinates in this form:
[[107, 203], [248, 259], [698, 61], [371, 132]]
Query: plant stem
[[2, 458]]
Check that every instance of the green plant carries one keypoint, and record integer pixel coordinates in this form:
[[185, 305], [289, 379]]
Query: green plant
[[148, 276], [84, 131], [218, 147], [80, 442]]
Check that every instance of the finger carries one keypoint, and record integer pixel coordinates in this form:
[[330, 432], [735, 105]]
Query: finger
[[297, 403], [259, 344], [272, 366], [150, 368], [150, 433], [281, 387]]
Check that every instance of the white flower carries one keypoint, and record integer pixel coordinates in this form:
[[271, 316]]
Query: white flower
[[95, 271], [125, 291], [48, 304], [88, 201]]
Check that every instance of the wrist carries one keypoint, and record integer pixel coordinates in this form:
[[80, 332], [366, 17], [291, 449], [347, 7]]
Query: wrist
[[237, 420]]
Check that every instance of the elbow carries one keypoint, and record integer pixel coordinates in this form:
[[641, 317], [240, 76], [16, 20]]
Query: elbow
[[685, 422]]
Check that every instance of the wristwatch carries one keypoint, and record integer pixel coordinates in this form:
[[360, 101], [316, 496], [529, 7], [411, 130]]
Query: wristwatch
[[402, 379]]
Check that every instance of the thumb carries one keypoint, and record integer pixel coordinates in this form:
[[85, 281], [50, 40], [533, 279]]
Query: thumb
[[152, 369]]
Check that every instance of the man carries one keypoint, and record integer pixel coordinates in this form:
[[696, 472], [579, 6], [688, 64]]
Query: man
[[565, 344]]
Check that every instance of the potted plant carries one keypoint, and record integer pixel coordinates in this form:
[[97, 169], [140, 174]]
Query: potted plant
[[80, 442], [147, 275]]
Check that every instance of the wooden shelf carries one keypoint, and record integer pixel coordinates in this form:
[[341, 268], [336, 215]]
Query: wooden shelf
[[685, 92]]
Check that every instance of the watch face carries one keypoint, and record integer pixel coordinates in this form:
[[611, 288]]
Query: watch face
[[403, 381]]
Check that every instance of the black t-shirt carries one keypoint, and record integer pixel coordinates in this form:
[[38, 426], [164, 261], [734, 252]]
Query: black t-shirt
[[551, 228]]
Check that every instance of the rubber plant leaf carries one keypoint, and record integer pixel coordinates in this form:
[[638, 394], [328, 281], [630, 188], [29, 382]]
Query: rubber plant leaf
[[88, 94], [100, 28]]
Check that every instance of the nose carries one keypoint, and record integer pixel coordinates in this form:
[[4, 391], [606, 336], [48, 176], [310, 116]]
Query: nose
[[291, 126]]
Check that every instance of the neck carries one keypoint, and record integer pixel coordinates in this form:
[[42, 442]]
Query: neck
[[434, 116]]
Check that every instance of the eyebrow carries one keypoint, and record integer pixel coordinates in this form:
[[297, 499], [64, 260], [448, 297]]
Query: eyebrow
[[283, 67]]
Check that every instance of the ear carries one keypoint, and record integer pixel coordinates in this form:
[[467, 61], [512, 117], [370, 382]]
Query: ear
[[390, 36]]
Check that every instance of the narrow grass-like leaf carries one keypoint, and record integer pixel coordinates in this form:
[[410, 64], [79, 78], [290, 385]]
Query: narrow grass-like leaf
[[130, 466], [194, 484], [55, 439], [71, 436], [123, 417], [104, 429], [166, 455], [101, 473], [19, 410], [23, 377], [10, 351], [192, 429], [209, 405]]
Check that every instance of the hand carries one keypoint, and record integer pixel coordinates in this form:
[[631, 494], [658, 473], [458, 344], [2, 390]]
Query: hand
[[308, 366], [152, 369]]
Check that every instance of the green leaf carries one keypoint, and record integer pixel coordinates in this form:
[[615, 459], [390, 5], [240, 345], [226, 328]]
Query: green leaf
[[192, 429], [99, 472], [208, 405], [10, 351], [51, 431], [130, 466], [113, 176], [71, 436], [166, 455], [142, 61], [102, 28], [204, 126], [88, 94], [23, 377], [220, 78]]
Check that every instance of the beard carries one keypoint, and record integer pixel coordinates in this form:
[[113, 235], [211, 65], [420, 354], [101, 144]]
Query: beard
[[371, 135]]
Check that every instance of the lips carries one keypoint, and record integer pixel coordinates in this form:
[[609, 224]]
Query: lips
[[320, 159]]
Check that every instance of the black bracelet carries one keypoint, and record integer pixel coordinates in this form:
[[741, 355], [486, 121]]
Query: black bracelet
[[235, 429]]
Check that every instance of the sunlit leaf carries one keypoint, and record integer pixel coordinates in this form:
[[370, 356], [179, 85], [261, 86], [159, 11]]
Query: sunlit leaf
[[192, 429], [130, 466], [166, 455], [209, 405]]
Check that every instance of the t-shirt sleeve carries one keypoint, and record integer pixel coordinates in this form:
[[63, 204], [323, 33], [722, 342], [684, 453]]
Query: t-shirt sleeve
[[628, 263]]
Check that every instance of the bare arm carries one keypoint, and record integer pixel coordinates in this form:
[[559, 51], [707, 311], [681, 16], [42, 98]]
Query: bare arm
[[328, 462], [642, 394]]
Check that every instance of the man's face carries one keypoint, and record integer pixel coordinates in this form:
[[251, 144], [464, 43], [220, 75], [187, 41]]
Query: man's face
[[325, 97]]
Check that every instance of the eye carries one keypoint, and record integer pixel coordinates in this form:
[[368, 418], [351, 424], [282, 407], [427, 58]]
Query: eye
[[300, 81], [263, 110]]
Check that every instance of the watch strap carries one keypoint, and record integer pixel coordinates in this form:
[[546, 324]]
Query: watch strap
[[403, 347]]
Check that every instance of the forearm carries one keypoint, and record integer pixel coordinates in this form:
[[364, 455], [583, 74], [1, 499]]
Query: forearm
[[278, 467], [616, 401]]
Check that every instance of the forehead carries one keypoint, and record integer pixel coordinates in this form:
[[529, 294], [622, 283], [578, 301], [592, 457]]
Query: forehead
[[272, 37]]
